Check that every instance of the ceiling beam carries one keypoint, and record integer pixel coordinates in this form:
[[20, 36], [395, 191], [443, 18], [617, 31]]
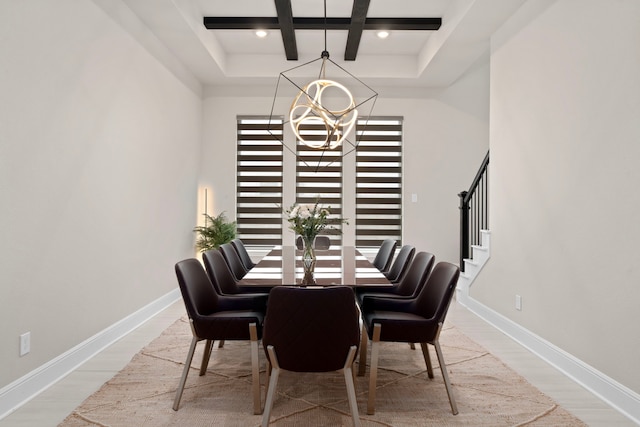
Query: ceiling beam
[[285, 21], [268, 23], [287, 24], [358, 18]]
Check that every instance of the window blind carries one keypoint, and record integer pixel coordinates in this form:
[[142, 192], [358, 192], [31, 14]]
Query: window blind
[[378, 181], [319, 177], [259, 181]]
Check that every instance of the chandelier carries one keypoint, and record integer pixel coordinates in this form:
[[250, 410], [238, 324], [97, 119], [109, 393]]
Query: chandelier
[[308, 109], [324, 111]]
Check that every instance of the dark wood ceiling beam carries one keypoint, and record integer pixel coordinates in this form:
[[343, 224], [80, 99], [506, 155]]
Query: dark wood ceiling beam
[[358, 18], [403, 24], [267, 23], [285, 20]]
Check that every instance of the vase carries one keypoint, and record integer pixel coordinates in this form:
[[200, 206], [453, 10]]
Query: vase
[[308, 263]]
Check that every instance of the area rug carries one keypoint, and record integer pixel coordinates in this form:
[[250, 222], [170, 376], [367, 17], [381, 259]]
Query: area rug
[[488, 393]]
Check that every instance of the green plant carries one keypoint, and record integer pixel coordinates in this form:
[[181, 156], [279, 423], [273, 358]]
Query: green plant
[[215, 231]]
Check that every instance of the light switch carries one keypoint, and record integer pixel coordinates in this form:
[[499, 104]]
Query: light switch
[[414, 197]]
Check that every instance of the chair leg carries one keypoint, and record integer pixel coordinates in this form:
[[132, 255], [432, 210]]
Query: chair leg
[[427, 359], [267, 379], [362, 365], [255, 369], [273, 383], [445, 375], [220, 343], [185, 372], [373, 371], [412, 346], [205, 357], [351, 389]]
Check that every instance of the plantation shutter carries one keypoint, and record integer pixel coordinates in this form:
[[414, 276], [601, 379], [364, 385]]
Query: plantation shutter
[[319, 178], [378, 181], [259, 181]]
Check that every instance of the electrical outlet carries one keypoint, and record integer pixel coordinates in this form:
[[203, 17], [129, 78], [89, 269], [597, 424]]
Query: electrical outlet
[[25, 343], [518, 302]]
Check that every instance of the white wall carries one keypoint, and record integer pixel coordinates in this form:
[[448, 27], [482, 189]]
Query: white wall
[[98, 167], [565, 103], [445, 140]]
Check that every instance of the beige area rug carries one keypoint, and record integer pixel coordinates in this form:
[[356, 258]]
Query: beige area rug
[[487, 392]]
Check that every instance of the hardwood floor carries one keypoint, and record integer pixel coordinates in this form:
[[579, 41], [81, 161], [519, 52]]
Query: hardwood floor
[[54, 404]]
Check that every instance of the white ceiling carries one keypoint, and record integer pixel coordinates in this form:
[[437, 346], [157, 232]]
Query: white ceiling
[[406, 58]]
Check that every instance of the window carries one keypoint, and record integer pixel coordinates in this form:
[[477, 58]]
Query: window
[[259, 181], [378, 181], [319, 176]]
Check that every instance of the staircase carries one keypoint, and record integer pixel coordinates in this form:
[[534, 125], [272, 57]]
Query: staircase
[[474, 234], [480, 254]]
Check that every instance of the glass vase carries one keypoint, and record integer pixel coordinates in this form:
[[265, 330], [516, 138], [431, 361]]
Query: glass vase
[[308, 263]]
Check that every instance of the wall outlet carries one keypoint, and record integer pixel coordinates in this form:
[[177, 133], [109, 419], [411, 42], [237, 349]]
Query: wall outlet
[[518, 302], [25, 343]]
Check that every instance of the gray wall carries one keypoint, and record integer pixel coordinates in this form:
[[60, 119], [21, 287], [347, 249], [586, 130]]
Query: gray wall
[[565, 133], [98, 173]]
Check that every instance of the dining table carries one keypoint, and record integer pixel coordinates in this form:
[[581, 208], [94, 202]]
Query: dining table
[[337, 265]]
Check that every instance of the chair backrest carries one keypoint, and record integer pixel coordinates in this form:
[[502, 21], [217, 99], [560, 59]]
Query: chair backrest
[[299, 242], [321, 242], [200, 298], [434, 299], [233, 261], [416, 275], [400, 264], [311, 330], [383, 258], [243, 254], [219, 273]]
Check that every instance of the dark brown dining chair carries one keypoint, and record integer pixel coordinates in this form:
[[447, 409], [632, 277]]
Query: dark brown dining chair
[[233, 261], [222, 278], [382, 260], [214, 317], [243, 253], [400, 263], [410, 285], [311, 330], [417, 320], [321, 242]]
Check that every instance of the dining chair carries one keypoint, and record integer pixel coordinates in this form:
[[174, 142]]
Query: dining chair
[[321, 242], [311, 330], [416, 320], [223, 280], [409, 286], [243, 253], [215, 317], [400, 263], [233, 261], [383, 257]]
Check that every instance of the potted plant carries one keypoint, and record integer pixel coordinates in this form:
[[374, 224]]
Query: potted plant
[[215, 231]]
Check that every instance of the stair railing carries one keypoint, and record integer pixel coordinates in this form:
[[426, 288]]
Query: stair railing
[[474, 211]]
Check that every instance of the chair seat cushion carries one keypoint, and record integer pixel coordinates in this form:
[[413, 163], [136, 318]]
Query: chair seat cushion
[[400, 327], [229, 325], [250, 302]]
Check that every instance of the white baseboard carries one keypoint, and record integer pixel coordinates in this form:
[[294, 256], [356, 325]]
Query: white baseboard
[[27, 387], [621, 398]]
